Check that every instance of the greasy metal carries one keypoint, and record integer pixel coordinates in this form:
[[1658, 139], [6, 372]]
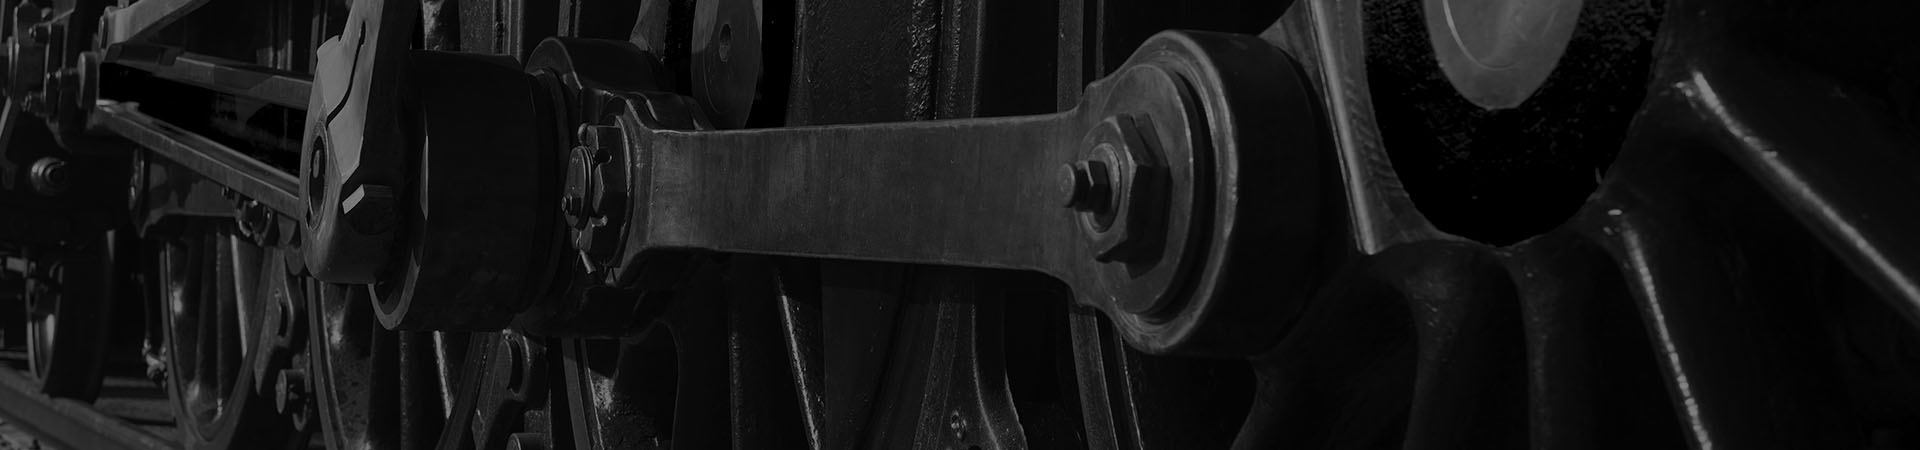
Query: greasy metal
[[691, 188], [1745, 241], [219, 74], [354, 136], [27, 55], [1496, 53], [590, 73], [250, 177]]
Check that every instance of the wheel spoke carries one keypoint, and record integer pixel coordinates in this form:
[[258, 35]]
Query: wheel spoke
[[210, 365]]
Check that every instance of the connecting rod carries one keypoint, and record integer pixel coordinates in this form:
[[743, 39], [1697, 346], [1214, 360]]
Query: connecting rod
[[1177, 189], [1180, 196]]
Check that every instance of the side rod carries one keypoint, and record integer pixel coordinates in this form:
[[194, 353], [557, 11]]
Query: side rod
[[970, 192], [276, 189]]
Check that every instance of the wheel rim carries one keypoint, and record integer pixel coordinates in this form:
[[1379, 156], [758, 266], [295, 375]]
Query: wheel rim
[[76, 290], [214, 288]]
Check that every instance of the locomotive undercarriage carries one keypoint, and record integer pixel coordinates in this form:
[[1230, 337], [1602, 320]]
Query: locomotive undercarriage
[[972, 224]]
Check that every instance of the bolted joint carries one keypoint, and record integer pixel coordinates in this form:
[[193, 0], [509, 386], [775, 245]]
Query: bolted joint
[[597, 191], [289, 390], [1087, 186], [50, 176], [255, 221], [1121, 208], [608, 198], [578, 183], [369, 209]]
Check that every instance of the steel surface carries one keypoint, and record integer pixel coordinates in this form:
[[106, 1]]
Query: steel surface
[[271, 186], [219, 74]]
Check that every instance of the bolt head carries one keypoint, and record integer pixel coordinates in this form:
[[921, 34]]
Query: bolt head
[[1086, 186], [1126, 173], [370, 208], [289, 390], [50, 176], [609, 194]]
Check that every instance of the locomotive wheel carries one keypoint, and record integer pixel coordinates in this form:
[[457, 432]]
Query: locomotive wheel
[[381, 389], [69, 313], [1552, 265], [218, 293], [665, 387]]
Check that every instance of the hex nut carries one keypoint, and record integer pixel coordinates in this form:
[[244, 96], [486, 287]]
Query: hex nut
[[1122, 145], [609, 193], [597, 190]]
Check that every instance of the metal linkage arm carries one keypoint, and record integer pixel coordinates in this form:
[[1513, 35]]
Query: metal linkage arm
[[142, 19], [275, 188], [227, 76], [1174, 192], [974, 192]]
